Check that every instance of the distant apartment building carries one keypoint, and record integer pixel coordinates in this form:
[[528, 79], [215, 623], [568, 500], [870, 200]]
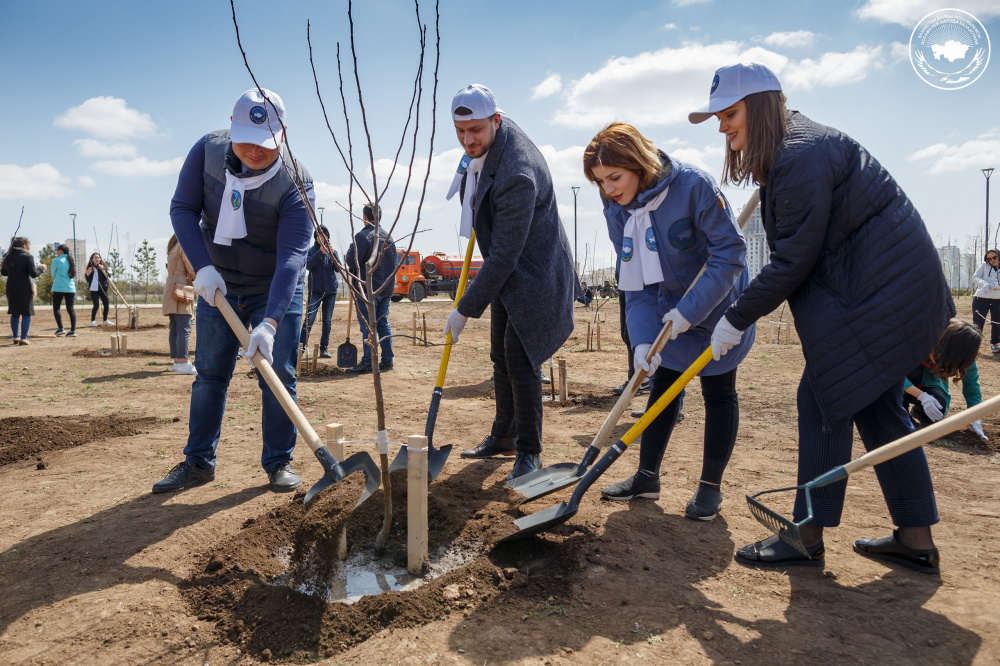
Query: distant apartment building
[[79, 253], [958, 266], [758, 254]]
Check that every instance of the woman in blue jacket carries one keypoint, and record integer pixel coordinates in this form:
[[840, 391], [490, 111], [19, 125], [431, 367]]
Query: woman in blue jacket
[[862, 278], [64, 288], [666, 220]]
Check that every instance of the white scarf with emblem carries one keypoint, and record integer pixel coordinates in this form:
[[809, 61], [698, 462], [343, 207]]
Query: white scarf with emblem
[[231, 223], [469, 168], [640, 260]]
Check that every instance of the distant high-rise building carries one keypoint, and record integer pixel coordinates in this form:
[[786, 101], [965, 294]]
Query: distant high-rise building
[[758, 253], [79, 254]]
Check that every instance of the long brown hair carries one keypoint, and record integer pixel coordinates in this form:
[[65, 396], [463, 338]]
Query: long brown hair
[[767, 121], [622, 145], [956, 351], [72, 265]]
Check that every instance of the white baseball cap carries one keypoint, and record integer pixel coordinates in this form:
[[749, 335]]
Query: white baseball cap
[[479, 99], [256, 121], [733, 83]]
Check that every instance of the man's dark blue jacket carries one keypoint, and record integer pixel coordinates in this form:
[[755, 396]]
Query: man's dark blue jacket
[[322, 274], [362, 248]]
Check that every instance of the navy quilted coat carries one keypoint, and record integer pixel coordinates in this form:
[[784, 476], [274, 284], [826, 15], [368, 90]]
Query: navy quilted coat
[[852, 257]]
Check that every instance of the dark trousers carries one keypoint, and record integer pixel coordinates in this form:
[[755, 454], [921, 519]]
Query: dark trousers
[[179, 334], [57, 298], [917, 410], [987, 309], [316, 300], [905, 480], [625, 338], [517, 385], [722, 419], [98, 298]]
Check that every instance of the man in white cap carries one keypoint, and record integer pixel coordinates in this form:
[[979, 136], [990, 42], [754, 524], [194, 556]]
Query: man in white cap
[[527, 279], [245, 229]]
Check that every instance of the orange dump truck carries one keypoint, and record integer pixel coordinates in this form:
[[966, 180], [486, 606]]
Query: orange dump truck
[[436, 274]]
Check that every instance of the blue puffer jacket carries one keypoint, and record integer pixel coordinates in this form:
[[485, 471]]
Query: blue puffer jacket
[[859, 270], [322, 274], [693, 226]]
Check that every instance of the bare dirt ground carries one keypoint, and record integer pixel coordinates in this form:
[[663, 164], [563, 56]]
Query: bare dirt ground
[[95, 569]]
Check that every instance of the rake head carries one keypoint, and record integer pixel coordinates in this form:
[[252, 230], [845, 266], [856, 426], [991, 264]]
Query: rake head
[[788, 531]]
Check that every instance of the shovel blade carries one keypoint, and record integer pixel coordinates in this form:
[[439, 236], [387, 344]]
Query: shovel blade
[[336, 471], [542, 521], [547, 480], [436, 458], [347, 355]]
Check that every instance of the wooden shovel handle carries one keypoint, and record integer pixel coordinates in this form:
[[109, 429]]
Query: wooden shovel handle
[[269, 375], [633, 385], [924, 435], [350, 307]]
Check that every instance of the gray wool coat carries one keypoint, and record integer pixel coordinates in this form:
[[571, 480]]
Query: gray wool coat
[[527, 262]]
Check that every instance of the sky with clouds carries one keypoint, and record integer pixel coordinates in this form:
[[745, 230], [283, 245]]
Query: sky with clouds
[[104, 99]]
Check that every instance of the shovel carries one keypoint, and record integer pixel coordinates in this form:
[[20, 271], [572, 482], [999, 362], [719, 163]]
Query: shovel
[[347, 354], [791, 532], [560, 513], [549, 479], [335, 470], [437, 457]]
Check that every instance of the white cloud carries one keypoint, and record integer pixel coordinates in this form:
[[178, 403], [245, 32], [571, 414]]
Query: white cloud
[[86, 181], [982, 151], [41, 181], [908, 12], [140, 166], [547, 88], [709, 158], [95, 148], [833, 69], [670, 26], [899, 52], [107, 118], [790, 39], [566, 166], [685, 3]]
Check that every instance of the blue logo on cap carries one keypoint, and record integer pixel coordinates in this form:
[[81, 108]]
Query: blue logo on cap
[[258, 115], [237, 200], [715, 83], [650, 240], [463, 164], [627, 249]]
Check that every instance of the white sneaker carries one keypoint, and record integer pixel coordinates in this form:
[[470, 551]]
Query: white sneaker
[[93, 323], [107, 323], [185, 368]]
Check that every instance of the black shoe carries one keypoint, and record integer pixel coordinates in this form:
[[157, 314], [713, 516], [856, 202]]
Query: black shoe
[[60, 332], [184, 475], [774, 553], [71, 334], [995, 348], [545, 380], [492, 446], [888, 549], [637, 485], [618, 390], [705, 503], [283, 479], [362, 368], [643, 388], [385, 366], [323, 353], [638, 413], [523, 464]]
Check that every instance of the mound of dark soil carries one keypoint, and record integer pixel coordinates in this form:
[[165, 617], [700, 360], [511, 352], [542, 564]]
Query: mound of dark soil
[[24, 437]]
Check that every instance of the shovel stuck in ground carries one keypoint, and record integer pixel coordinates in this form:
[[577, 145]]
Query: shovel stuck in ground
[[335, 470], [347, 354], [791, 531], [437, 457], [549, 479], [560, 513]]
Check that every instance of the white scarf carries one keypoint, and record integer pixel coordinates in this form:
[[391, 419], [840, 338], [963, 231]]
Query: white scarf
[[469, 168], [231, 223], [640, 260]]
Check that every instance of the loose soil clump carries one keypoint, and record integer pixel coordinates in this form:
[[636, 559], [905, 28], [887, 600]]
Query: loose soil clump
[[23, 437]]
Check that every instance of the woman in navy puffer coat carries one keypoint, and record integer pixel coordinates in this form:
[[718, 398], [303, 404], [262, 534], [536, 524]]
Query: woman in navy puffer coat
[[837, 225]]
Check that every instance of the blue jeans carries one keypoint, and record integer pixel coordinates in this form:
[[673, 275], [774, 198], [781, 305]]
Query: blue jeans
[[215, 359], [24, 322], [315, 300], [179, 335], [381, 327]]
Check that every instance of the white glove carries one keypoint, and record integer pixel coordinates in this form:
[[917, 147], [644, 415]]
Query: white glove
[[455, 324], [262, 340], [977, 427], [641, 350], [724, 337], [206, 281], [678, 324], [932, 408]]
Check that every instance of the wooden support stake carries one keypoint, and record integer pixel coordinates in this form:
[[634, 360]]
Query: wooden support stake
[[114, 345], [335, 444], [298, 360], [552, 379], [590, 335], [414, 328], [598, 336], [315, 359], [425, 329], [416, 503], [123, 345], [563, 391]]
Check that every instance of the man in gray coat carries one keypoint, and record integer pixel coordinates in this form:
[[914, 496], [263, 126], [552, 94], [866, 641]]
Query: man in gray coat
[[527, 279]]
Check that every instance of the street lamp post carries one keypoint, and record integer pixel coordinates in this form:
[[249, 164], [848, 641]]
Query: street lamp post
[[987, 172], [75, 257], [576, 261], [320, 209]]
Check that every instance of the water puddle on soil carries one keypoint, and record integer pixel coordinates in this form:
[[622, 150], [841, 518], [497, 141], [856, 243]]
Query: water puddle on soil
[[362, 574]]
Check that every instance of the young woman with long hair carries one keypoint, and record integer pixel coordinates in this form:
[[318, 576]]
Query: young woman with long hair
[[19, 268], [97, 278], [64, 288]]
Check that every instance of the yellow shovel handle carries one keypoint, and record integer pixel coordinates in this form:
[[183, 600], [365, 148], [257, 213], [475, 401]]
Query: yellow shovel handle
[[446, 355]]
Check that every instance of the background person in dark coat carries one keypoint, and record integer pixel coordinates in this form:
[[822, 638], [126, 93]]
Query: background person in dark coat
[[527, 279], [323, 284], [358, 255], [19, 268], [862, 278]]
